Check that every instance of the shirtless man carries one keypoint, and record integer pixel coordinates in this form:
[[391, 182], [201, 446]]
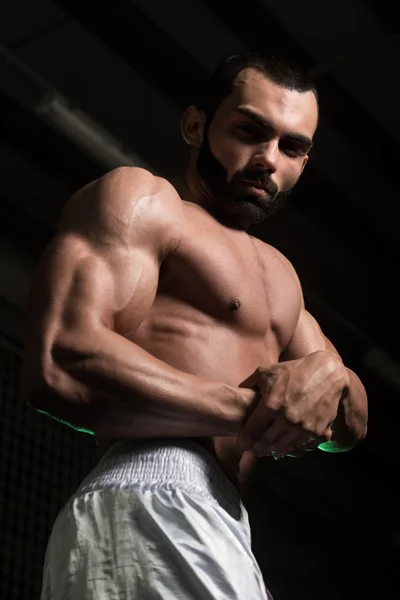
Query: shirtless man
[[156, 319]]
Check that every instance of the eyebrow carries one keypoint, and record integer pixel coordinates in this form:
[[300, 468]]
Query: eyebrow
[[266, 124]]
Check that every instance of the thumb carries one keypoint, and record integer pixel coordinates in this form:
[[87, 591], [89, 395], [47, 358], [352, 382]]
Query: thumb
[[251, 381], [247, 463]]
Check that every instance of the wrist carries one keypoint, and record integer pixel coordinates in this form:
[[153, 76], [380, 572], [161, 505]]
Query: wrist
[[246, 399]]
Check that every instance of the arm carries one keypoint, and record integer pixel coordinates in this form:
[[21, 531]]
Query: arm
[[350, 425], [105, 259]]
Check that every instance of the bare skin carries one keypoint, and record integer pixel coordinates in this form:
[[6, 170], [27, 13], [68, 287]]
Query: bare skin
[[153, 305], [219, 312]]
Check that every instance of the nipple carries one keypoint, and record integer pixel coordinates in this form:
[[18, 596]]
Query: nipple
[[234, 304]]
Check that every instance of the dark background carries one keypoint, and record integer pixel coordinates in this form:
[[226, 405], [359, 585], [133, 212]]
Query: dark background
[[324, 527]]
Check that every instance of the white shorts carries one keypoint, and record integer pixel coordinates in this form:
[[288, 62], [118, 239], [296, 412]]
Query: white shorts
[[155, 520]]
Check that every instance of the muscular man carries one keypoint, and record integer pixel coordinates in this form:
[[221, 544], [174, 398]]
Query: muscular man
[[158, 323]]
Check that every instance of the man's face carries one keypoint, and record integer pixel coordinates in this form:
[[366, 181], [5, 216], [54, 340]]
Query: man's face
[[256, 146]]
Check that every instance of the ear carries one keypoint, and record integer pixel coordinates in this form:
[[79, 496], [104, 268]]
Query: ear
[[192, 126], [305, 161]]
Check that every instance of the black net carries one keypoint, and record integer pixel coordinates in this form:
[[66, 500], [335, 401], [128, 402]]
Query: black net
[[42, 462]]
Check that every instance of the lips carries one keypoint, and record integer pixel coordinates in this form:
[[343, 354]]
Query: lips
[[256, 185]]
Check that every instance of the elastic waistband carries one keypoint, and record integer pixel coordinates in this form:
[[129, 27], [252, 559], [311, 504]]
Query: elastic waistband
[[172, 463]]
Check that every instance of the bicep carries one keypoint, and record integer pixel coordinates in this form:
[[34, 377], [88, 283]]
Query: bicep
[[106, 253], [84, 284], [78, 289], [112, 237]]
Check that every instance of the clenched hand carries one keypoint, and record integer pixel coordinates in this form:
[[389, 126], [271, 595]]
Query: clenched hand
[[298, 402]]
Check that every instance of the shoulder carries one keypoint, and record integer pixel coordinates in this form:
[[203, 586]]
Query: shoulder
[[124, 191], [129, 183], [123, 202]]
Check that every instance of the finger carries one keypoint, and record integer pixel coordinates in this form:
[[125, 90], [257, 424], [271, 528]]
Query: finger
[[279, 439], [255, 427], [252, 431], [275, 389], [266, 442], [278, 429], [313, 443], [297, 441], [326, 436], [289, 440], [296, 451], [251, 381], [260, 379], [246, 463], [309, 437], [261, 417], [292, 454]]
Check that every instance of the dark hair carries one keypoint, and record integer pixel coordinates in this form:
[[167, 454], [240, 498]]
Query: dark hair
[[280, 70]]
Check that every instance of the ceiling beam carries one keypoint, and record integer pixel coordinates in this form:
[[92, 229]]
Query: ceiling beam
[[142, 44]]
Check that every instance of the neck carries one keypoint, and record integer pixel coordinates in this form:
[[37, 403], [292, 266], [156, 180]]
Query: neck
[[191, 188]]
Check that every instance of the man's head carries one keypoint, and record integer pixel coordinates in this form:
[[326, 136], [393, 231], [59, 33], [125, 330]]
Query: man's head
[[254, 124]]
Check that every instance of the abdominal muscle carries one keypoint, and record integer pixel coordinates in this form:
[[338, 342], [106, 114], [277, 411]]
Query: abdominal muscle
[[227, 358]]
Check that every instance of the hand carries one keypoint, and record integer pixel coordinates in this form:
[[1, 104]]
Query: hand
[[298, 402], [299, 451]]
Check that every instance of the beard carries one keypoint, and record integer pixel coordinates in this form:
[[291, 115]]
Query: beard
[[233, 200]]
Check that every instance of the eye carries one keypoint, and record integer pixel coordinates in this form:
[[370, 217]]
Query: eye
[[249, 130], [294, 151]]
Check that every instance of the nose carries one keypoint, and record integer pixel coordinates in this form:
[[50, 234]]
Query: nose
[[266, 157]]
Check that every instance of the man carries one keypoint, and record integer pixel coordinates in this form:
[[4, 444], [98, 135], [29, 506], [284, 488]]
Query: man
[[156, 319]]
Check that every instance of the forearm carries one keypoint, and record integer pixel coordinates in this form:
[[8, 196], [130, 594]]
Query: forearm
[[117, 389], [350, 425]]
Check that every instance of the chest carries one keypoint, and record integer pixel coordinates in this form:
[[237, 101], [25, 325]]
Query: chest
[[225, 276]]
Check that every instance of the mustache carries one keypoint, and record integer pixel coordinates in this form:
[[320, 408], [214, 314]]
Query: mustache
[[260, 178]]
